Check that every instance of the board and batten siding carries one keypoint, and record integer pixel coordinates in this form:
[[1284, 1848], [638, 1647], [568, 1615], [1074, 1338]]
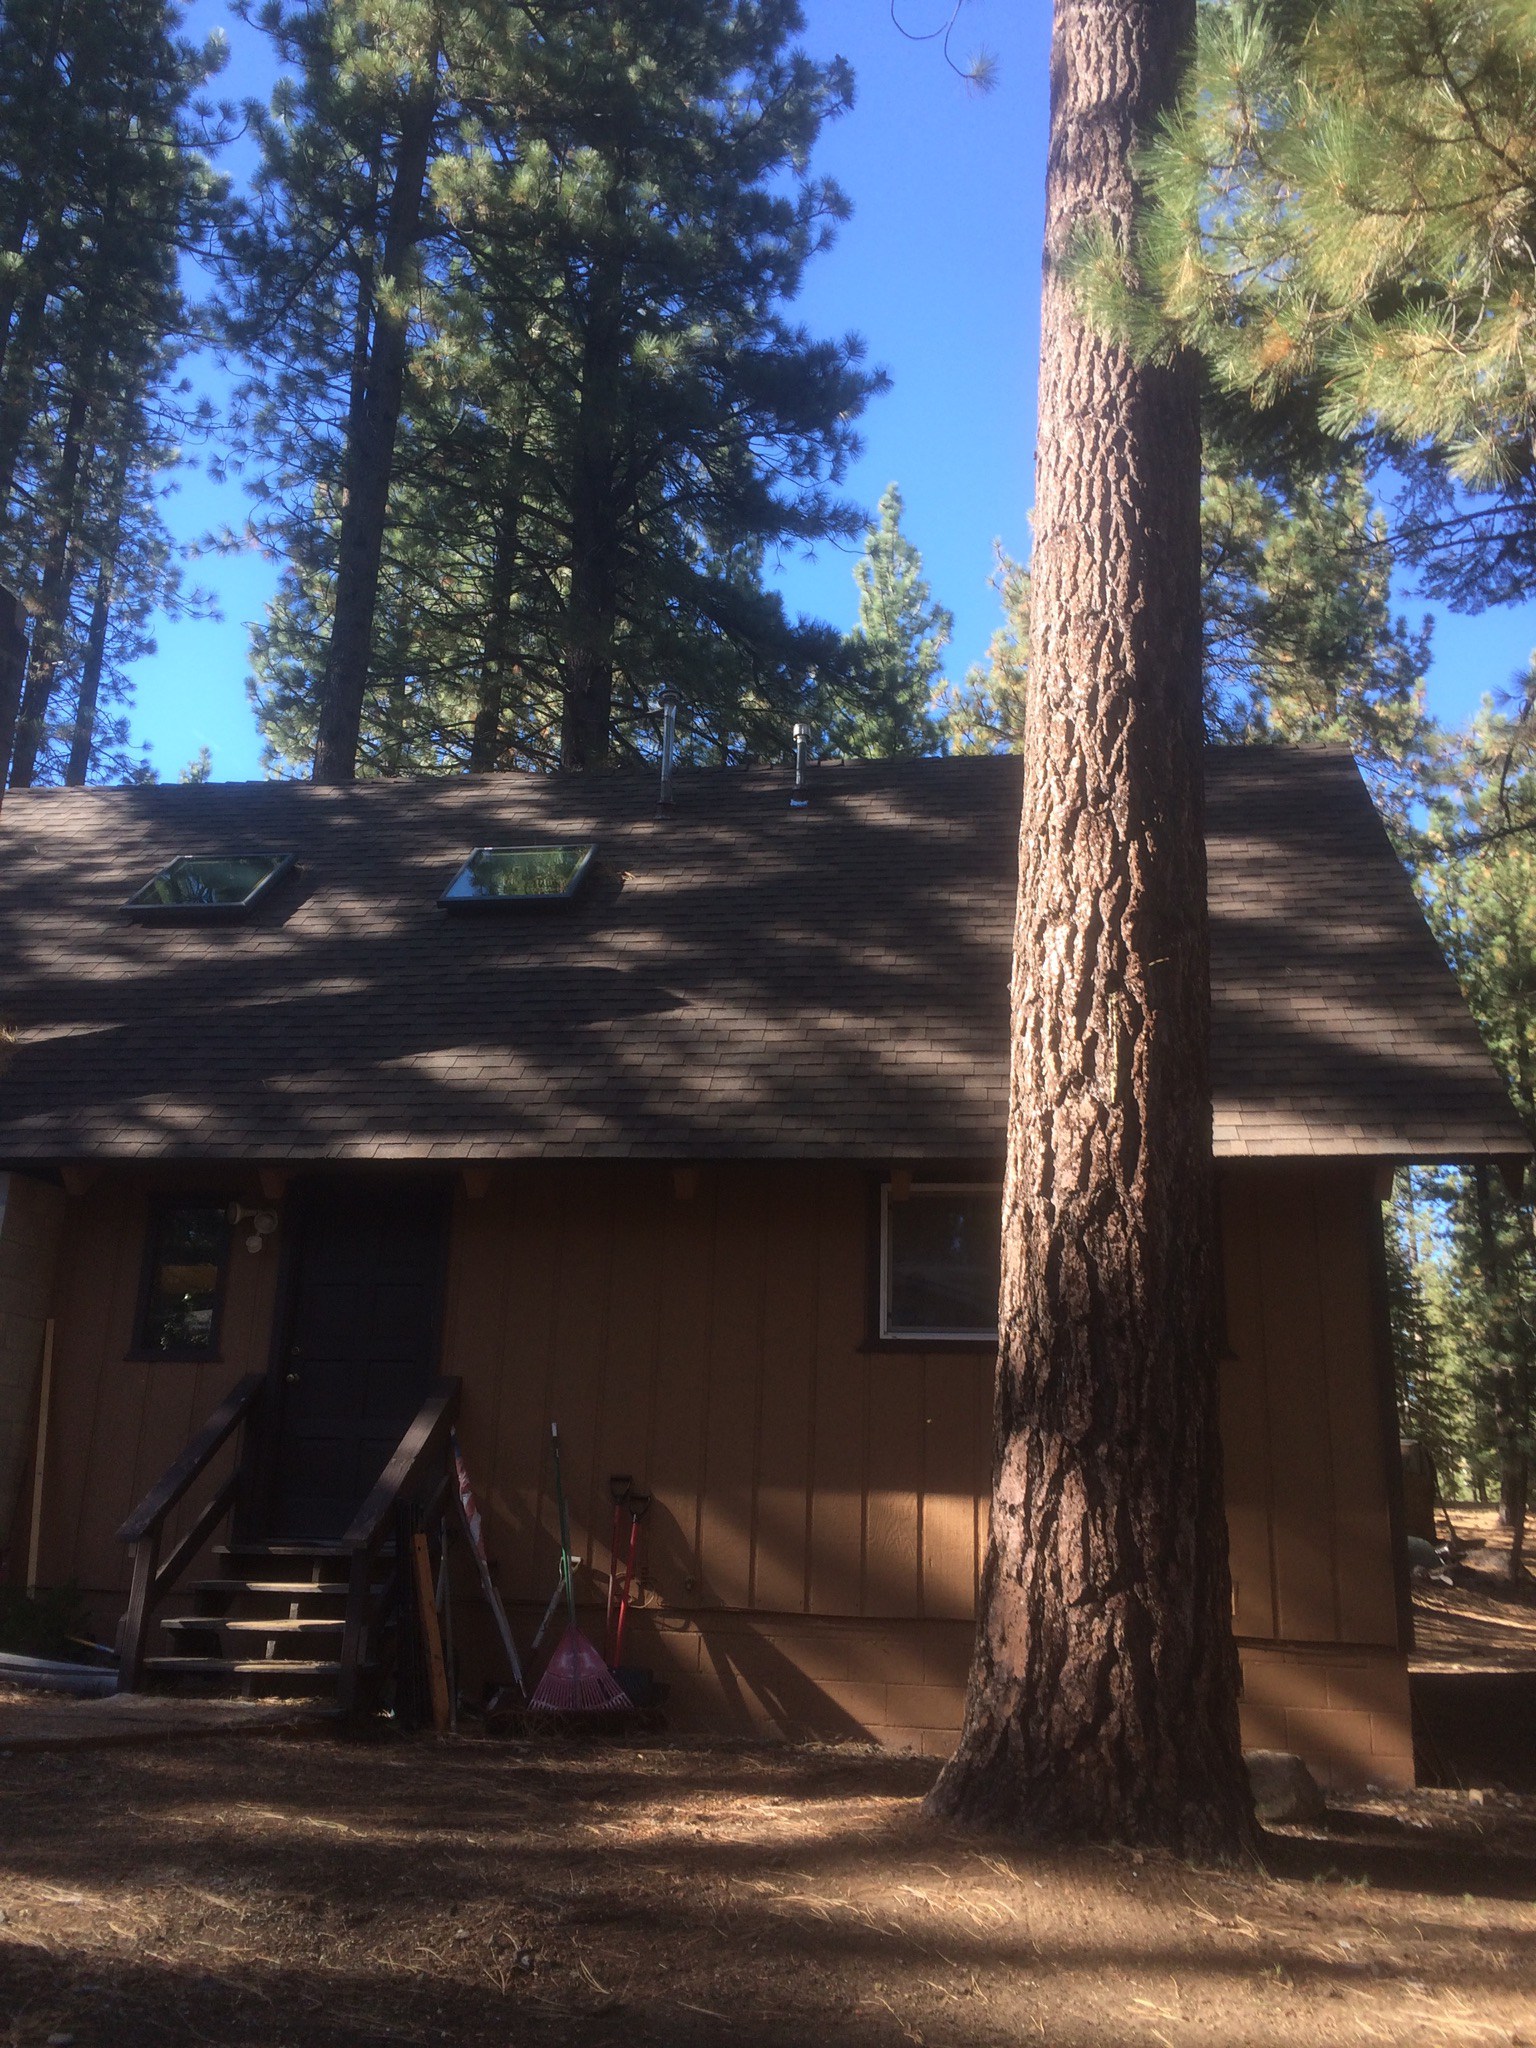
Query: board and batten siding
[[820, 1503], [117, 1422], [1308, 1434], [707, 1333]]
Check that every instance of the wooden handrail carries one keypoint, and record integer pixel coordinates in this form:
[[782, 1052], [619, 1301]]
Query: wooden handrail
[[422, 1453], [169, 1488], [415, 1450], [145, 1527], [423, 1445]]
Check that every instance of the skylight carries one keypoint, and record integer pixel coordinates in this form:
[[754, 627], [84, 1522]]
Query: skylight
[[204, 884], [518, 874]]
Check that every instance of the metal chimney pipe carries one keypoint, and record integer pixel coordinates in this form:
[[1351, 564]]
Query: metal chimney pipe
[[668, 700], [800, 796]]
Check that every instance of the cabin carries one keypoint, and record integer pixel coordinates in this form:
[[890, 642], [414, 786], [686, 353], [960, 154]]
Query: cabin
[[332, 1117]]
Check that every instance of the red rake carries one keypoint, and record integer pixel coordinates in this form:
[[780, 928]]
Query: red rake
[[576, 1680]]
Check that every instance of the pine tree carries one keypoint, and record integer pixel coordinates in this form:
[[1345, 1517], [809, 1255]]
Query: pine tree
[[104, 184], [1300, 640], [1343, 206], [895, 650], [329, 269], [984, 712], [1103, 1692], [1477, 879], [606, 419], [1434, 1405]]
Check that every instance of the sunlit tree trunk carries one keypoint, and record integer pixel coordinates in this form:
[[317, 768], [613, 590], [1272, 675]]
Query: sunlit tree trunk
[[1103, 1693]]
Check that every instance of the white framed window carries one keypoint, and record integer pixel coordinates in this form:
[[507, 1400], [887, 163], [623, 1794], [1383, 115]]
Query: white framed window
[[939, 1245]]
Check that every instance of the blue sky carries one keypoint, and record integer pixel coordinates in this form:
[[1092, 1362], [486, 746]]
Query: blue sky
[[938, 270]]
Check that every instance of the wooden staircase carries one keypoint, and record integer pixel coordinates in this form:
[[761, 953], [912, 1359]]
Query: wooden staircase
[[295, 1618], [272, 1622]]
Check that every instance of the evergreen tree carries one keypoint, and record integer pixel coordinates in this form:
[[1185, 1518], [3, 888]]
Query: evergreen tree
[[1344, 206], [984, 712], [1434, 1407], [895, 649], [103, 185], [1103, 1690], [328, 267], [606, 419], [1300, 640], [1477, 879]]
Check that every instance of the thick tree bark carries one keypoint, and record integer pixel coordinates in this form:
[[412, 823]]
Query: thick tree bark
[[1103, 1694], [372, 427]]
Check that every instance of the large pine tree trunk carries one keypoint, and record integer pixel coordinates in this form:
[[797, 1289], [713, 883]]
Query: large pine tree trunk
[[372, 427], [1103, 1694]]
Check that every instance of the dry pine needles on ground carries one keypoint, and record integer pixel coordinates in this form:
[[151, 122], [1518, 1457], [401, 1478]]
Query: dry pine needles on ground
[[272, 1892]]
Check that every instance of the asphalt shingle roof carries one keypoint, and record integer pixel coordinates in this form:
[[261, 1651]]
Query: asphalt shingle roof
[[738, 980]]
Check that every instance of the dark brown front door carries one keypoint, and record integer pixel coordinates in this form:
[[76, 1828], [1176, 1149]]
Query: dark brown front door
[[361, 1346]]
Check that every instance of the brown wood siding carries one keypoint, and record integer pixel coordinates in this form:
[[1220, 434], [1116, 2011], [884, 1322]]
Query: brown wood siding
[[706, 1333], [116, 1422], [1306, 1466], [710, 1342]]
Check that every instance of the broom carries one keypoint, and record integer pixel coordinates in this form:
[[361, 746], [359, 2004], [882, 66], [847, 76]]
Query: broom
[[576, 1680]]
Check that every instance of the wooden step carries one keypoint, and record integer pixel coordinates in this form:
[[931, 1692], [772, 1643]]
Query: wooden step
[[245, 1667], [284, 1546], [254, 1624], [324, 1589]]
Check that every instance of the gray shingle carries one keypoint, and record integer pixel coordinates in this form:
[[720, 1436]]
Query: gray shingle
[[740, 980]]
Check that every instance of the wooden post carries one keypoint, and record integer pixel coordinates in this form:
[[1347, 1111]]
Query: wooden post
[[354, 1634], [13, 669], [45, 1389], [431, 1634], [146, 1560]]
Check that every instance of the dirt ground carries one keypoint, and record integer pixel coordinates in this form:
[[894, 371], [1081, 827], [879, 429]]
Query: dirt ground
[[317, 1893], [1482, 1619]]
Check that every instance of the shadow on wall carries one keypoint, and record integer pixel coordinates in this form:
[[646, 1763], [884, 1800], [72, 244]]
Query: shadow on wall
[[724, 1671]]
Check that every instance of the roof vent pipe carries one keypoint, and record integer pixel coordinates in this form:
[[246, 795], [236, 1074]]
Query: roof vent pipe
[[668, 700], [800, 795]]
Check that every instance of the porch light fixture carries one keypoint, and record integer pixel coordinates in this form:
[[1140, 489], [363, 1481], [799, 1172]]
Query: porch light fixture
[[530, 877], [195, 886]]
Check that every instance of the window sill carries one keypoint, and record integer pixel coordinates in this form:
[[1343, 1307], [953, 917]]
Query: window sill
[[982, 1347], [173, 1358]]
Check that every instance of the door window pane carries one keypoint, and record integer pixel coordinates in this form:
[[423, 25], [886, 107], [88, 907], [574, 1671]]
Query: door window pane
[[939, 1268]]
